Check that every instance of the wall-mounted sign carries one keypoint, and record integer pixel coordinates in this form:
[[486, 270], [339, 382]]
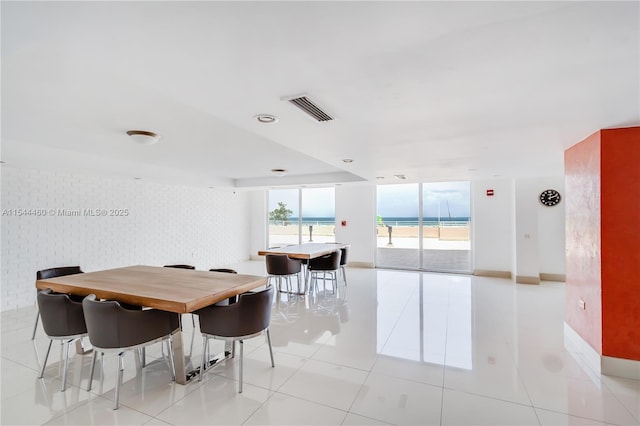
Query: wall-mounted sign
[[489, 192]]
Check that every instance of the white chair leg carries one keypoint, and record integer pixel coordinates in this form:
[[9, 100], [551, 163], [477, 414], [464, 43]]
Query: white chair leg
[[93, 367], [35, 326], [241, 366], [46, 357], [119, 380], [270, 350], [66, 364]]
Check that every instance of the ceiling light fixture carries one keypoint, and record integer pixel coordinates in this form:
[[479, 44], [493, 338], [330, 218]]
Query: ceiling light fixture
[[266, 118], [401, 177], [279, 172], [143, 137], [347, 160]]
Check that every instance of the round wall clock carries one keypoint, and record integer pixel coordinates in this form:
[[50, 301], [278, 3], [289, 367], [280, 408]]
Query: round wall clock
[[550, 197]]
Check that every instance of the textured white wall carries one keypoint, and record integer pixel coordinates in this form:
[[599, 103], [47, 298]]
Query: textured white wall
[[165, 224]]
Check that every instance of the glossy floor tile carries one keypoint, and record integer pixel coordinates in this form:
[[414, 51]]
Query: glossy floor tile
[[392, 348]]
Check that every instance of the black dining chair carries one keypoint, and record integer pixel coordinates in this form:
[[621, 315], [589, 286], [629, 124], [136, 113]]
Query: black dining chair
[[59, 271], [180, 266], [113, 328], [225, 270], [325, 265], [247, 318], [281, 266], [62, 319]]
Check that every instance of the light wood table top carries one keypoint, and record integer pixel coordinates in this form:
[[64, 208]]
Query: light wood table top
[[169, 289], [305, 251]]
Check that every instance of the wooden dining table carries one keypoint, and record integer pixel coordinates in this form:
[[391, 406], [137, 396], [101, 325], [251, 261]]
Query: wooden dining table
[[169, 289], [305, 251]]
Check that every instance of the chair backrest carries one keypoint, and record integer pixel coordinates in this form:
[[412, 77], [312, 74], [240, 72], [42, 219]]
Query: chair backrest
[[180, 266], [58, 272], [226, 270], [60, 315], [281, 264], [250, 315], [112, 326], [345, 254], [329, 262]]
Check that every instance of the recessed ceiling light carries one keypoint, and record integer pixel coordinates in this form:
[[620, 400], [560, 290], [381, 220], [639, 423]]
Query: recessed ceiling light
[[137, 178], [379, 177], [347, 160], [266, 118], [401, 177], [279, 172], [143, 137]]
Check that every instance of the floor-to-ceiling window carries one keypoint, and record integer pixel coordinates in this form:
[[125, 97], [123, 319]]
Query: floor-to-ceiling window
[[284, 208], [301, 215], [424, 226]]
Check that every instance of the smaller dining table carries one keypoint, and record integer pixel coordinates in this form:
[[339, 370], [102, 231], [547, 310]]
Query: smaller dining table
[[170, 289], [305, 251]]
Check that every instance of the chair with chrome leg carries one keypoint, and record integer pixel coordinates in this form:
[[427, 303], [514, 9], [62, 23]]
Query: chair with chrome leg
[[62, 319], [43, 274], [113, 328], [325, 265], [281, 266], [247, 318]]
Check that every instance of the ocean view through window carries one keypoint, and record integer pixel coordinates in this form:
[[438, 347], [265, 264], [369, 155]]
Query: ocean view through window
[[424, 226], [301, 215]]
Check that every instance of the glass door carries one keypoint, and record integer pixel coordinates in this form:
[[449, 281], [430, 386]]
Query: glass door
[[446, 226], [318, 215], [398, 230], [284, 223], [424, 226]]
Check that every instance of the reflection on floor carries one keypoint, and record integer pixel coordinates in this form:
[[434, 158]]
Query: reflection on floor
[[394, 347]]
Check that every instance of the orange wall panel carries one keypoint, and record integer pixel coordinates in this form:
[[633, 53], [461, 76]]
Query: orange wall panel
[[582, 224], [620, 239]]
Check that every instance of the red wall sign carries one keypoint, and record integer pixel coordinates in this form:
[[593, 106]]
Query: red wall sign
[[489, 192]]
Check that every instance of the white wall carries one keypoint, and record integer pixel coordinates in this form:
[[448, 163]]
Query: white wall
[[259, 213], [527, 265], [544, 251], [493, 224], [551, 229], [357, 205], [166, 224]]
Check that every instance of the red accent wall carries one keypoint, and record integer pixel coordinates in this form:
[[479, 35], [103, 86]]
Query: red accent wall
[[602, 187], [582, 231], [620, 236]]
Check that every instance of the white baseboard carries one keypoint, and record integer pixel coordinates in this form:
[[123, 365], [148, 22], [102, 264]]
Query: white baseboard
[[582, 351]]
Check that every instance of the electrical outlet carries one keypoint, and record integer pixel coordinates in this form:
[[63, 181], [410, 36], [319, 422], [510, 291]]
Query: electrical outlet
[[581, 304]]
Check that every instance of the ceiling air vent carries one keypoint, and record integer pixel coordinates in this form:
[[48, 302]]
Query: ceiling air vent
[[305, 104]]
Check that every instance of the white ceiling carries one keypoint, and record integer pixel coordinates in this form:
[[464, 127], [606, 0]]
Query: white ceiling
[[432, 90]]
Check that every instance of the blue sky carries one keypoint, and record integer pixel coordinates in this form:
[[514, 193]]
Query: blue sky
[[443, 197], [393, 200]]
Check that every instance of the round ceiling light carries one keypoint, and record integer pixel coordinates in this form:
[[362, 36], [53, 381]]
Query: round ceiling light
[[143, 137], [266, 118], [347, 160]]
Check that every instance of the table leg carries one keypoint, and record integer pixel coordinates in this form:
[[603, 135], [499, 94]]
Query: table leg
[[178, 358]]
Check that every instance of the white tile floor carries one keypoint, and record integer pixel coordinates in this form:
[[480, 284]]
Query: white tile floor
[[394, 348]]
